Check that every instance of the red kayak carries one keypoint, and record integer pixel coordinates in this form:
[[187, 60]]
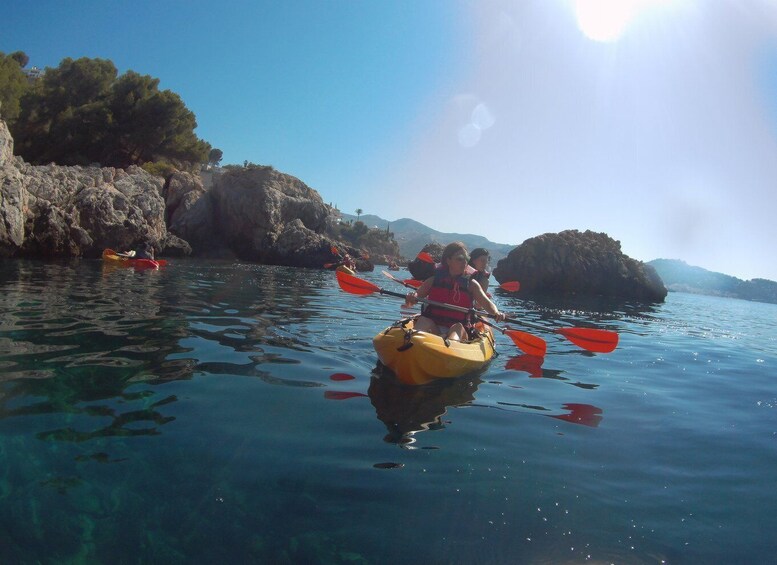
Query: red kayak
[[115, 258]]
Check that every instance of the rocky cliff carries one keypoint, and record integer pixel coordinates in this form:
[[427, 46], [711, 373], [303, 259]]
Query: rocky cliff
[[52, 211], [583, 263], [255, 214]]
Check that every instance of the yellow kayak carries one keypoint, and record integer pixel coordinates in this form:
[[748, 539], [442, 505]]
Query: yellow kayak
[[420, 357]]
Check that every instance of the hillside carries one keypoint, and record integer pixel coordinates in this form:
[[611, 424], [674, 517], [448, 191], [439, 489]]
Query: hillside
[[412, 236], [678, 276]]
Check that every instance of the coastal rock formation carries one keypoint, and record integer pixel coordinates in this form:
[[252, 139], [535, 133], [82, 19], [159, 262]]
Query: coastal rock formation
[[583, 263], [270, 217], [53, 211], [256, 214], [422, 270]]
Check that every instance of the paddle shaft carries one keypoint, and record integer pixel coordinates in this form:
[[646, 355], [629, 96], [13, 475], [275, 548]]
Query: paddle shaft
[[459, 308], [443, 305], [600, 341]]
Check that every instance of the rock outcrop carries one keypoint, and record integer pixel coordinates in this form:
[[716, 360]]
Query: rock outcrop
[[53, 211], [582, 263], [422, 270], [255, 214]]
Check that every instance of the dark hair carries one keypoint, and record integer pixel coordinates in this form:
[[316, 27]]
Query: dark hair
[[478, 252], [452, 249]]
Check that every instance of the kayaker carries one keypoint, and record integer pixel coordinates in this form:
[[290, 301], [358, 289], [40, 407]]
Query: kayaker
[[478, 260], [451, 285], [144, 251]]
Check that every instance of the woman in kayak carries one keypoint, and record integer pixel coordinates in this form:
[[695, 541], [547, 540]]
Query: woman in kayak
[[478, 260], [451, 285], [143, 251]]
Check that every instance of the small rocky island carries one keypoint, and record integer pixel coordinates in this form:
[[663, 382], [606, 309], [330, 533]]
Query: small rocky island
[[581, 263]]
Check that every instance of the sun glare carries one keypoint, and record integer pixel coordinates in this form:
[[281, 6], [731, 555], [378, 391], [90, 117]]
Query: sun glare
[[608, 20]]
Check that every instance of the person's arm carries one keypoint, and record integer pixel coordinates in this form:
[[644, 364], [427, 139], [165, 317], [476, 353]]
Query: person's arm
[[422, 292], [483, 301]]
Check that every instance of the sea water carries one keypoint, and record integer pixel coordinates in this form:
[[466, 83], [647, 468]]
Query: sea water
[[233, 413]]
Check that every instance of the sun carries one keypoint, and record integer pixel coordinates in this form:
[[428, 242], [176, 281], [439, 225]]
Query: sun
[[608, 20]]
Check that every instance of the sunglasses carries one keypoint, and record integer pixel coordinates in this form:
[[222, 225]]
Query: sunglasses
[[460, 258]]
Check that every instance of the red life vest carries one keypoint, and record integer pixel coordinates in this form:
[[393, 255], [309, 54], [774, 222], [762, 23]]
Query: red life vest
[[450, 290]]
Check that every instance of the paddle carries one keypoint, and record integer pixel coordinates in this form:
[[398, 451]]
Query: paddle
[[531, 344], [510, 286], [595, 340], [591, 339], [425, 257]]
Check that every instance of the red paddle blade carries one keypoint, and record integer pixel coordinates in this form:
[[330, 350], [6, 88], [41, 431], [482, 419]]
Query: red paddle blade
[[425, 257], [329, 265], [528, 343], [598, 341], [511, 286], [413, 282], [355, 285], [584, 414]]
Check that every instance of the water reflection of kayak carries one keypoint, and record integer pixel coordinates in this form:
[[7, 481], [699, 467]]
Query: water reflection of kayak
[[406, 410], [420, 357], [113, 258]]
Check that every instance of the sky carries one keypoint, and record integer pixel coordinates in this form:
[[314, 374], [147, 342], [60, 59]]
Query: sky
[[653, 121]]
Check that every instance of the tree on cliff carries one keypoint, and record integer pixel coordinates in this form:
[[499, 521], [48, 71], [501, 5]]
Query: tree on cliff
[[13, 84], [20, 57], [82, 112], [215, 156]]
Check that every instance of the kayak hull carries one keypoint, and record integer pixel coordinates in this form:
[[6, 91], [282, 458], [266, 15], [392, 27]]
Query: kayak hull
[[419, 357], [113, 258]]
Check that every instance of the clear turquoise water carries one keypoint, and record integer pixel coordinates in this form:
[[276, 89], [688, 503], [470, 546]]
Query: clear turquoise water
[[190, 415]]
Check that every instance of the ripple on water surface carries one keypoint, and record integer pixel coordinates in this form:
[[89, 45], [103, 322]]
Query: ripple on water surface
[[234, 412]]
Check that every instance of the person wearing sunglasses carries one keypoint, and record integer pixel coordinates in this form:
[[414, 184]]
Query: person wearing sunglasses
[[451, 284]]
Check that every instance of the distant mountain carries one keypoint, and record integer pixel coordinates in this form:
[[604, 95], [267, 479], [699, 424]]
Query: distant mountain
[[680, 277], [412, 236]]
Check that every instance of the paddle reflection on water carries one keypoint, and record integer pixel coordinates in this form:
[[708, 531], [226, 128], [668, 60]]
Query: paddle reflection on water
[[407, 410], [533, 365]]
